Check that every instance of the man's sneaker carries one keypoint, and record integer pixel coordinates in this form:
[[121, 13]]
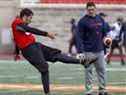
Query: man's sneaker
[[89, 94], [86, 58], [81, 57], [47, 94], [88, 89], [103, 93]]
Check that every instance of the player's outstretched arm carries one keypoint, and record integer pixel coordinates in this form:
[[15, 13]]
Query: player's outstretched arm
[[26, 28]]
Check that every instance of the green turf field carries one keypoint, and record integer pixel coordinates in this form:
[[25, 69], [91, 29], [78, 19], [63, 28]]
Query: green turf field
[[21, 72]]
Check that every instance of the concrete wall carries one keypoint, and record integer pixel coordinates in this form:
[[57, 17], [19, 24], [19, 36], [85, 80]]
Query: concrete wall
[[57, 20], [7, 13]]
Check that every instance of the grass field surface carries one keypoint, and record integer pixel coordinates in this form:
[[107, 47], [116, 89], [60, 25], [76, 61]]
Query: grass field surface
[[21, 72]]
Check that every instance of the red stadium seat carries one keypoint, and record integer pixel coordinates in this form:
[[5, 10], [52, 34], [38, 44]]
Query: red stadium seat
[[84, 1]]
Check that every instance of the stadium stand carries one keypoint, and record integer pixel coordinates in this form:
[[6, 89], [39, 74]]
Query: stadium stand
[[59, 11], [84, 1]]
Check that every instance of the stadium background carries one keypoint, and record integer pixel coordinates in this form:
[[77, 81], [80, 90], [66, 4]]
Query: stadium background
[[52, 15]]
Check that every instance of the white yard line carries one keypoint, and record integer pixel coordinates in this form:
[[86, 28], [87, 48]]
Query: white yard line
[[116, 69], [117, 83], [108, 69], [66, 78], [18, 76]]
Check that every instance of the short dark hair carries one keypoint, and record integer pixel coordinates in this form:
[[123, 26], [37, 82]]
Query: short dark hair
[[120, 19], [26, 12], [102, 14], [72, 20], [90, 4]]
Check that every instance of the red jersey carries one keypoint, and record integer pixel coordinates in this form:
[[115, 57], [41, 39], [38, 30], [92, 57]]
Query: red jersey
[[22, 39]]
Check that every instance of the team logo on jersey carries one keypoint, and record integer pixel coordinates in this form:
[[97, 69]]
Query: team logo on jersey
[[27, 33]]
